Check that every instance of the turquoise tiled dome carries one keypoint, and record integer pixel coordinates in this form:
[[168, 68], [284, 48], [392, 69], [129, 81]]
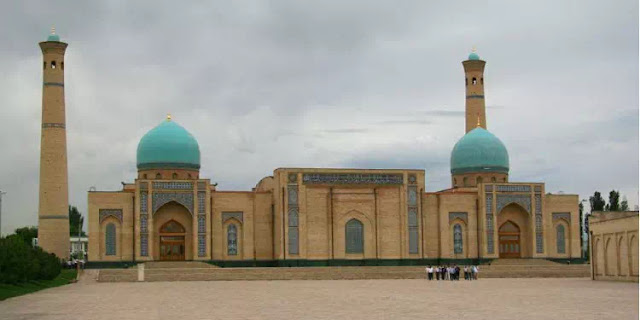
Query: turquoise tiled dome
[[479, 151], [474, 56], [53, 37], [168, 146]]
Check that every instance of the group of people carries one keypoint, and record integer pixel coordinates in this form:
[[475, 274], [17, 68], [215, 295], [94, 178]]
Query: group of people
[[452, 272]]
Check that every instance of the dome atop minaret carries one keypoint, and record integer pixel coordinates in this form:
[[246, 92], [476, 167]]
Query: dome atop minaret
[[53, 36]]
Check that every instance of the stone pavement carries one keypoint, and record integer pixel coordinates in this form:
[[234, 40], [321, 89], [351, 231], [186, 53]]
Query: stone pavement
[[320, 299]]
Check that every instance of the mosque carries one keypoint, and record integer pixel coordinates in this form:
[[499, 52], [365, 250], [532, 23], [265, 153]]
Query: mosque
[[324, 216]]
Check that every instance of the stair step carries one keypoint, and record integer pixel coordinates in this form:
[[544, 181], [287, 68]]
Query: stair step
[[195, 272]]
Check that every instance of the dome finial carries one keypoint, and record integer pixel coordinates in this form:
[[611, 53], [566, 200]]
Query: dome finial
[[168, 117], [473, 49], [478, 124], [53, 30]]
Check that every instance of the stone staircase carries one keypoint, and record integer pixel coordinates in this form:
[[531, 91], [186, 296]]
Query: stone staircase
[[177, 265], [197, 271]]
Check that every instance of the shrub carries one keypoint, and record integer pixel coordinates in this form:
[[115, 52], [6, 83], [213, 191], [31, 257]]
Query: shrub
[[20, 262]]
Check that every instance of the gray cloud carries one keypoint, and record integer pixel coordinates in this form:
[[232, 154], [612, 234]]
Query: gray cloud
[[289, 83]]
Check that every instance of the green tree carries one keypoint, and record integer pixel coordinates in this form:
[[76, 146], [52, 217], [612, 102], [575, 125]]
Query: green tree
[[614, 201], [581, 209], [75, 221], [624, 205], [27, 234], [596, 202]]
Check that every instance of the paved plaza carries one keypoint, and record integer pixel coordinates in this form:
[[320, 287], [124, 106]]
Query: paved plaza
[[347, 299]]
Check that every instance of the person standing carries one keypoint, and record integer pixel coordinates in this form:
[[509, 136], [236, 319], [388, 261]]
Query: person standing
[[465, 269], [474, 271], [429, 273]]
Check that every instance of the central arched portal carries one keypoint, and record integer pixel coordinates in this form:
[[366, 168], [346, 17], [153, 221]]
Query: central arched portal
[[509, 240], [172, 246], [174, 233]]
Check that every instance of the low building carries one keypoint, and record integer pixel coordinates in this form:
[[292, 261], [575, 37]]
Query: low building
[[79, 245], [614, 245]]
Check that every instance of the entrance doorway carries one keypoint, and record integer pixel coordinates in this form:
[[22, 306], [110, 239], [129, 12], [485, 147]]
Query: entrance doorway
[[509, 239], [172, 236]]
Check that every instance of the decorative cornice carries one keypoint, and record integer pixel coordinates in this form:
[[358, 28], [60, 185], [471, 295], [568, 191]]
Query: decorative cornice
[[53, 125], [352, 178], [483, 169], [54, 217], [55, 84], [167, 165]]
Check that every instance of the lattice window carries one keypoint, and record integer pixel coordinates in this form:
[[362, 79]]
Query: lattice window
[[293, 231], [560, 239], [354, 236], [457, 239], [232, 240], [201, 201], [110, 240], [413, 230]]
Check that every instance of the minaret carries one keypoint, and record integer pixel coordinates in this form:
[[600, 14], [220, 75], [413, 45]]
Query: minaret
[[53, 211], [474, 84]]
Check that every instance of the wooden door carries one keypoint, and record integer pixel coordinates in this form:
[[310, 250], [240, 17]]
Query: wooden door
[[172, 246], [509, 240]]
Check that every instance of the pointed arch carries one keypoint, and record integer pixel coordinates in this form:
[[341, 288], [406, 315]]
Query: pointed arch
[[172, 226], [110, 239], [623, 257], [560, 239], [610, 255], [354, 237], [457, 239]]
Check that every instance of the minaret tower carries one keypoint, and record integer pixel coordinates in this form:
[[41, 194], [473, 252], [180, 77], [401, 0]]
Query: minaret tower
[[474, 84], [53, 211]]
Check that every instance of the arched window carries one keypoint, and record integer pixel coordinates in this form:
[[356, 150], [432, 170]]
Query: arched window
[[464, 181], [293, 231], [493, 179], [560, 239], [110, 240], [44, 65], [478, 180], [466, 81], [174, 175], [354, 237], [232, 240], [413, 230], [474, 81], [189, 175], [455, 183], [144, 176], [457, 239], [53, 64], [482, 81], [158, 176], [62, 65]]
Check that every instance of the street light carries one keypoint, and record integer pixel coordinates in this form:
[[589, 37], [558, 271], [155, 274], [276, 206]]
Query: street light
[[1, 193]]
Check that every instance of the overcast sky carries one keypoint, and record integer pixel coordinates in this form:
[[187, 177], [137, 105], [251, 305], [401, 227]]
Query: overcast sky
[[346, 84]]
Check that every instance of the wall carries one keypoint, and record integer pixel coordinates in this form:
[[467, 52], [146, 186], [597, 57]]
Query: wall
[[124, 227], [614, 245], [556, 207]]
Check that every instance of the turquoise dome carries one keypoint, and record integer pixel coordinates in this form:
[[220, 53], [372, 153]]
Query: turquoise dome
[[53, 37], [479, 151], [168, 146], [474, 56]]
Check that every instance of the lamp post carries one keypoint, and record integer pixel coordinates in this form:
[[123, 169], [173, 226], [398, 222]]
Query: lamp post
[[583, 253], [1, 193]]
